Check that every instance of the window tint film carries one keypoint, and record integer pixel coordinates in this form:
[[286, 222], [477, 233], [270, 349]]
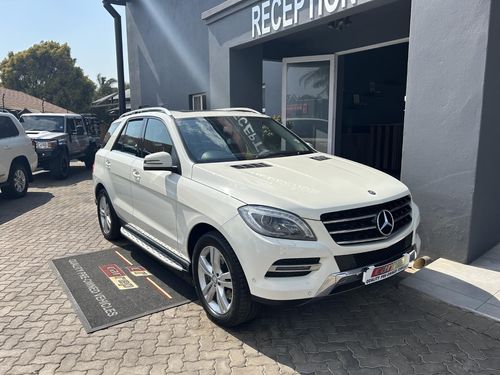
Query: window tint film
[[129, 140], [7, 128], [156, 138]]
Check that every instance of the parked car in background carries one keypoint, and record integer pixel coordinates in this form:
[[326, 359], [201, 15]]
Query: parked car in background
[[253, 212], [59, 138], [93, 127], [18, 158]]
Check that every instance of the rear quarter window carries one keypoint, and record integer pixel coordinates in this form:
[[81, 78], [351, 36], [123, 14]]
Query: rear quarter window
[[7, 128]]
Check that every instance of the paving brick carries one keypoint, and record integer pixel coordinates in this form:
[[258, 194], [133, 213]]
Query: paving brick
[[376, 330]]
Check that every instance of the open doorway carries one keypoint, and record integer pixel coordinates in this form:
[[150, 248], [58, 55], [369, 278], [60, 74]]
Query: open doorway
[[370, 102]]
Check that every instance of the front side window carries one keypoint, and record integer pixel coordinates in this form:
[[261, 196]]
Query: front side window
[[111, 130], [156, 138], [215, 139], [130, 138], [43, 123], [7, 128]]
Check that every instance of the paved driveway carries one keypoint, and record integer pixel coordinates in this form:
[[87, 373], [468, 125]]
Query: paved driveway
[[379, 329]]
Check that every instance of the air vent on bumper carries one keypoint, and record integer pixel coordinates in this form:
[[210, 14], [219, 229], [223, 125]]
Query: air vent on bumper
[[293, 267]]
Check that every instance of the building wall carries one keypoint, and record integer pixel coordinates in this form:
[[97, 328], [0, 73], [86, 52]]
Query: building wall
[[446, 75], [485, 220], [168, 51]]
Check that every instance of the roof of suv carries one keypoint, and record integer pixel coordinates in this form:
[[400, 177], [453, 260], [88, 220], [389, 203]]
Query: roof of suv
[[240, 112], [52, 114]]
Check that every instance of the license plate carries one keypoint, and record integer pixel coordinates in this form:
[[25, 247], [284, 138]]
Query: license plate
[[374, 274]]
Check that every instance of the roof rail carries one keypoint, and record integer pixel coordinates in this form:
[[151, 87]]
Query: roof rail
[[239, 109], [147, 109]]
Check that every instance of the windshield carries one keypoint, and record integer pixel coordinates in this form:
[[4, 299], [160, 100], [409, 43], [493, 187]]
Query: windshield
[[214, 139], [43, 123]]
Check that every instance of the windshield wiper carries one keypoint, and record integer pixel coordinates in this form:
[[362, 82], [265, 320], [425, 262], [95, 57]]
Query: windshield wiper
[[270, 154]]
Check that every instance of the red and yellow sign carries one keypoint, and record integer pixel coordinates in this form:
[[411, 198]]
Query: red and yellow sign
[[118, 277], [138, 271]]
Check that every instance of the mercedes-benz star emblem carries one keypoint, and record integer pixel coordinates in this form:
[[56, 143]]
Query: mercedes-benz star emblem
[[385, 223]]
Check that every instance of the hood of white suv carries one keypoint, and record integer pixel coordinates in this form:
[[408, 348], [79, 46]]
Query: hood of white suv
[[45, 135], [301, 184]]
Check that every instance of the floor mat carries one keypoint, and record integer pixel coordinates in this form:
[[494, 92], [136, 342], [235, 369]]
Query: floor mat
[[112, 286]]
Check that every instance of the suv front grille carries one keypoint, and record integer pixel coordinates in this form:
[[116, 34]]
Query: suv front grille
[[359, 225]]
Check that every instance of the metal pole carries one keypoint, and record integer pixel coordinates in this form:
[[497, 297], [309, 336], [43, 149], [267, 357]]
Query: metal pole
[[119, 54]]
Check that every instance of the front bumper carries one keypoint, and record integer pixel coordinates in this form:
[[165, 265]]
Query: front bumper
[[257, 254]]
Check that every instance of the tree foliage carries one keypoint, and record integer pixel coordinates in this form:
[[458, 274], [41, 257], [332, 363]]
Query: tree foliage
[[47, 71], [105, 86]]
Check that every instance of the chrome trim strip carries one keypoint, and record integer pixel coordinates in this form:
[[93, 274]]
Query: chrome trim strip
[[333, 279], [295, 268], [349, 219], [400, 207], [154, 239], [150, 249], [352, 230], [402, 217]]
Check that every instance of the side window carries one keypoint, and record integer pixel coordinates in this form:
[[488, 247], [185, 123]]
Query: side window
[[156, 138], [110, 131], [7, 128], [79, 126], [130, 138], [70, 126]]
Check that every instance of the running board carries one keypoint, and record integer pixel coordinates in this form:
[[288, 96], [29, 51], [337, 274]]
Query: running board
[[150, 249]]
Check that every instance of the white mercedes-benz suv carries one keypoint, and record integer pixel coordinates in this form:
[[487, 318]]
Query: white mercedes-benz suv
[[249, 209]]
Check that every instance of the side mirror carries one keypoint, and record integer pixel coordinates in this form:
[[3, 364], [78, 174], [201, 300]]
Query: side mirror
[[159, 161]]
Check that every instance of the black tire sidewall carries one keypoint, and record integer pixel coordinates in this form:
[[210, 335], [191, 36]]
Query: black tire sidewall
[[10, 190], [114, 231], [216, 240], [57, 166]]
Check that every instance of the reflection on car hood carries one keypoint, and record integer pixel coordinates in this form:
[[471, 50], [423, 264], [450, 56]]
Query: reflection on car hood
[[44, 135], [302, 185]]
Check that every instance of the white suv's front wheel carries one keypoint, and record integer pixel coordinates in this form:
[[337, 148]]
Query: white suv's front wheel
[[220, 282]]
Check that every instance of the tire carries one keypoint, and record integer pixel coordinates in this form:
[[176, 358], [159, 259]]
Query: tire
[[106, 215], [59, 167], [17, 184], [241, 307], [90, 158]]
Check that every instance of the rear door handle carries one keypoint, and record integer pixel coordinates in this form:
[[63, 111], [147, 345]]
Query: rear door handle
[[108, 163]]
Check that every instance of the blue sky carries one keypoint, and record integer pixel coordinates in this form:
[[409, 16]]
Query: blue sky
[[84, 24]]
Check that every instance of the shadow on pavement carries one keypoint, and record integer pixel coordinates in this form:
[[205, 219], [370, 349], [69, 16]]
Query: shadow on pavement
[[78, 173], [12, 208]]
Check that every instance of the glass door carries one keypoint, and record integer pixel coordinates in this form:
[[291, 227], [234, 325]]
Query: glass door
[[307, 100]]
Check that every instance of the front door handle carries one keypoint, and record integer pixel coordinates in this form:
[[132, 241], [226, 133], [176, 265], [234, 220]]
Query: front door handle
[[136, 174]]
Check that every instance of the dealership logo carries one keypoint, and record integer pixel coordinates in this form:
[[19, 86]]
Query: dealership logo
[[274, 15], [385, 222]]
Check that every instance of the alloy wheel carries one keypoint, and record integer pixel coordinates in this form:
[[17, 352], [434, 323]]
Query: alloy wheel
[[104, 214], [19, 181], [215, 280]]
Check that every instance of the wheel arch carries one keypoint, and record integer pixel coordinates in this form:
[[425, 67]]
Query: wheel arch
[[21, 159], [98, 188]]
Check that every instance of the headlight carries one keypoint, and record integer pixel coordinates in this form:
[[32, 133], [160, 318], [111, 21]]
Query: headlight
[[272, 222], [46, 145]]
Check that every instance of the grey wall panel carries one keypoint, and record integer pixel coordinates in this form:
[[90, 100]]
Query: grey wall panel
[[485, 225], [168, 51], [446, 67]]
